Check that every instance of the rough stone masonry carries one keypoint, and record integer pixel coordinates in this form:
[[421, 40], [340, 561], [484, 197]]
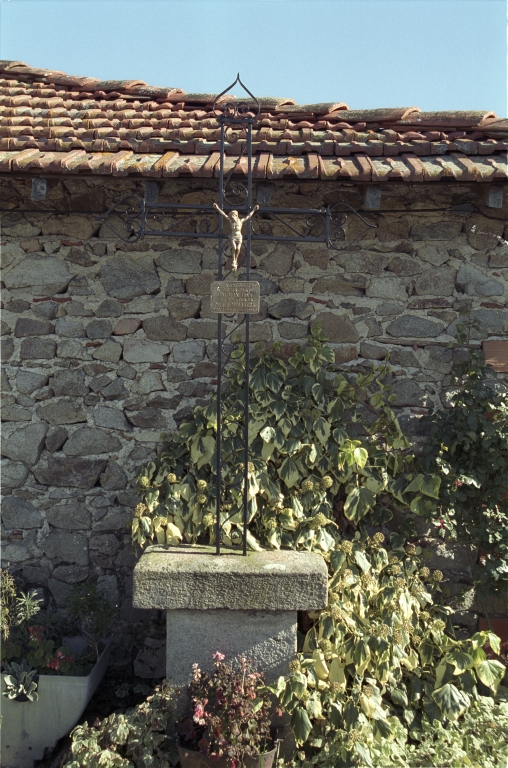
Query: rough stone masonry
[[107, 346]]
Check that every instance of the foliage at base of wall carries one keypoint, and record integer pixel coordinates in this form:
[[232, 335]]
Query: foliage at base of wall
[[136, 738], [327, 462], [479, 737], [468, 449], [382, 659], [324, 449]]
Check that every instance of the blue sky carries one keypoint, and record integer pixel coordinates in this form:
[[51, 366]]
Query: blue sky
[[434, 54]]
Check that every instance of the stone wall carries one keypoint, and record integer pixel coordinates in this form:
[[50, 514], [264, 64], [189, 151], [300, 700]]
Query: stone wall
[[106, 345]]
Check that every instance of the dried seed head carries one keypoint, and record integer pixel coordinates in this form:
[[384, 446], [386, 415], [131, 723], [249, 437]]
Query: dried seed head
[[319, 521], [346, 547], [140, 509]]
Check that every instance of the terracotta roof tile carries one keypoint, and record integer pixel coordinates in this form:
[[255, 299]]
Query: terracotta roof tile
[[53, 122]]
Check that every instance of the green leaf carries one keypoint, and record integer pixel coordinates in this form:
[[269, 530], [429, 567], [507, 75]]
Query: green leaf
[[300, 724], [490, 673], [337, 560], [322, 430], [415, 485], [358, 503], [288, 471], [336, 408], [258, 379], [430, 486], [318, 393], [381, 730], [461, 661], [361, 656], [362, 561], [267, 434], [298, 683], [273, 382], [278, 408], [495, 642], [313, 706], [399, 696], [361, 456], [451, 702]]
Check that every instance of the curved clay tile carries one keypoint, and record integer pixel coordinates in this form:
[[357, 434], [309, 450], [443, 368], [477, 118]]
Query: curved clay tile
[[317, 109], [381, 115], [202, 98], [117, 85], [26, 70], [155, 92], [494, 124], [274, 102], [454, 119], [76, 81], [6, 65]]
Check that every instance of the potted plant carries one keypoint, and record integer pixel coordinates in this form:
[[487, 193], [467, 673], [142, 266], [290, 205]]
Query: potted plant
[[228, 721], [52, 664]]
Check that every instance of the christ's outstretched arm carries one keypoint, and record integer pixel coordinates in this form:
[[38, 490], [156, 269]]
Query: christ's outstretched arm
[[221, 211], [251, 214]]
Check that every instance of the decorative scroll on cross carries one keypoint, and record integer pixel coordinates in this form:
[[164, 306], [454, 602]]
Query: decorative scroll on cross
[[231, 298]]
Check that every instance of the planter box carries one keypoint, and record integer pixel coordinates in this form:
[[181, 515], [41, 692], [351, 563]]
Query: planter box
[[28, 728], [190, 759]]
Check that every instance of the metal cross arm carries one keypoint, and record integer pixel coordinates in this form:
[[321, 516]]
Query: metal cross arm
[[131, 219]]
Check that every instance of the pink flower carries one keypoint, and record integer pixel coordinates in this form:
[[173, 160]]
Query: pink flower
[[458, 483], [218, 656]]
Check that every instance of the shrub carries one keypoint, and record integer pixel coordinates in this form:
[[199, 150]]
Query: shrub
[[468, 450], [324, 449], [134, 739], [229, 713], [382, 660], [36, 635], [327, 457]]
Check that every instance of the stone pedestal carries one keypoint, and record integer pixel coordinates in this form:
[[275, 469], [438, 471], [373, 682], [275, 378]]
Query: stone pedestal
[[232, 604]]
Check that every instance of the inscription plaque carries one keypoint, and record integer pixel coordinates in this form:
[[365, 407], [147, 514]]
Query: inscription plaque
[[241, 297]]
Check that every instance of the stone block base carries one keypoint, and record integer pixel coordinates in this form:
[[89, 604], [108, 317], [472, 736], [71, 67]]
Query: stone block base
[[266, 637]]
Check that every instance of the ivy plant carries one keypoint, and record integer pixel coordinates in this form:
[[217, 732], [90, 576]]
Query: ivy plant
[[382, 662], [328, 465], [468, 451], [479, 738], [323, 447], [133, 739]]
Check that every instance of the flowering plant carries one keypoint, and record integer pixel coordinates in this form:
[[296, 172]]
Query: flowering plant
[[34, 637], [229, 712]]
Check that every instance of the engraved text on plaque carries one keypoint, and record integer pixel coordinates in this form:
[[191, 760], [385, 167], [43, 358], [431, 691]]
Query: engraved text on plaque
[[231, 298]]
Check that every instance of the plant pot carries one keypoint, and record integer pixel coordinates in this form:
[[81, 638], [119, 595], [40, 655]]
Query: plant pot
[[28, 728], [191, 759]]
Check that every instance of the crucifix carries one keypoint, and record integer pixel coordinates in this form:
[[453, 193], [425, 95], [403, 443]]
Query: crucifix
[[236, 237], [231, 297]]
